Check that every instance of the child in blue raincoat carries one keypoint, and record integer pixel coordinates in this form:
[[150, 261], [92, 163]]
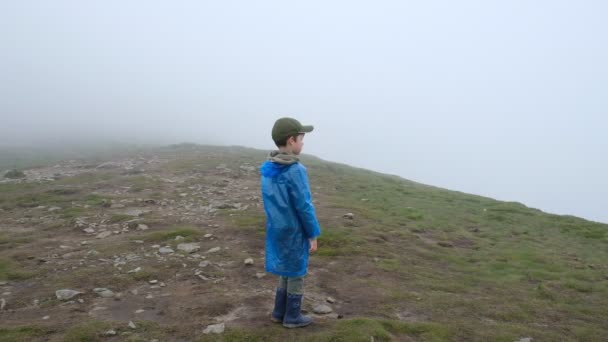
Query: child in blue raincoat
[[291, 223]]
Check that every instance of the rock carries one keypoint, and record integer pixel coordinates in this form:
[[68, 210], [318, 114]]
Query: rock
[[249, 261], [349, 216], [153, 281], [203, 264], [142, 227], [132, 325], [66, 294], [330, 300], [322, 309], [117, 206], [162, 284], [260, 275], [103, 292], [89, 230], [214, 329], [139, 311], [54, 208], [46, 317], [135, 270], [2, 283], [103, 235], [214, 250], [179, 238], [445, 244], [525, 339], [188, 247], [110, 332], [208, 235], [165, 250], [2, 304]]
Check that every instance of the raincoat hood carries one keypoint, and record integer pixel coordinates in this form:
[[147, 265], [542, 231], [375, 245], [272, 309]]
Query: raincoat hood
[[277, 162]]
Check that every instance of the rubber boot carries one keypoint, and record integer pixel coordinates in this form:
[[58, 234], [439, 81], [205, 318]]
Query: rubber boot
[[279, 305], [293, 317]]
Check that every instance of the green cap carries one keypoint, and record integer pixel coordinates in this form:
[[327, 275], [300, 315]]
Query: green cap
[[285, 127]]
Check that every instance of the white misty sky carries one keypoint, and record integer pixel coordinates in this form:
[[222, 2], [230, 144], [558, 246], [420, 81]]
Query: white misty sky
[[506, 99]]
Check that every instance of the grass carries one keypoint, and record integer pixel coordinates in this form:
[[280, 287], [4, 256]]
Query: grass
[[117, 218], [88, 331], [189, 233], [23, 333], [348, 330], [9, 271]]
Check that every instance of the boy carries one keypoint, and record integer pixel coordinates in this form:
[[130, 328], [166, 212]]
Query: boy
[[291, 223]]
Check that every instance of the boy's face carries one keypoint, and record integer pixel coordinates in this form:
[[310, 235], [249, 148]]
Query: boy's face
[[296, 144]]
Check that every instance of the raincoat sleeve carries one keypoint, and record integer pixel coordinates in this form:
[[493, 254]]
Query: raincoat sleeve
[[299, 191]]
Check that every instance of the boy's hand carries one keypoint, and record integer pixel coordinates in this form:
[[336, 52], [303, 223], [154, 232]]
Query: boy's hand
[[313, 245]]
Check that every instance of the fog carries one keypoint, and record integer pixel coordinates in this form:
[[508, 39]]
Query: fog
[[502, 99]]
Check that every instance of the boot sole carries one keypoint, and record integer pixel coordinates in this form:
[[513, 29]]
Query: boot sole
[[290, 326]]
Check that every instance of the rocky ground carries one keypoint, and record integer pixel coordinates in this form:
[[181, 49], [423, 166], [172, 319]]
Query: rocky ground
[[138, 240]]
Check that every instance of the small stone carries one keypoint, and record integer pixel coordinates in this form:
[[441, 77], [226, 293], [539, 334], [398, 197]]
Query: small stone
[[179, 238], [330, 300], [149, 296], [203, 264], [214, 329], [2, 303], [162, 284], [139, 311], [103, 292], [525, 339], [54, 208], [132, 325], [322, 309], [260, 275], [110, 332], [80, 300], [249, 261], [188, 247], [155, 246], [66, 294], [214, 250], [349, 216], [135, 270], [138, 241], [89, 230], [208, 235], [165, 250], [46, 317], [153, 281], [2, 283], [142, 227], [103, 235]]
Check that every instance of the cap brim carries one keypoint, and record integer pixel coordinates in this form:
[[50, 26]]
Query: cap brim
[[306, 129]]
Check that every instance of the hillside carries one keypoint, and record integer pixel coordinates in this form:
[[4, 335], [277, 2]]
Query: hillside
[[412, 263]]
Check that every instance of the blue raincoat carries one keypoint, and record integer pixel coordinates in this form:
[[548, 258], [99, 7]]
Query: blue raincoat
[[290, 218]]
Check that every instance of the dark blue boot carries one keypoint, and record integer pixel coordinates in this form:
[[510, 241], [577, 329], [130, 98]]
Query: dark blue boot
[[279, 305], [293, 317]]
